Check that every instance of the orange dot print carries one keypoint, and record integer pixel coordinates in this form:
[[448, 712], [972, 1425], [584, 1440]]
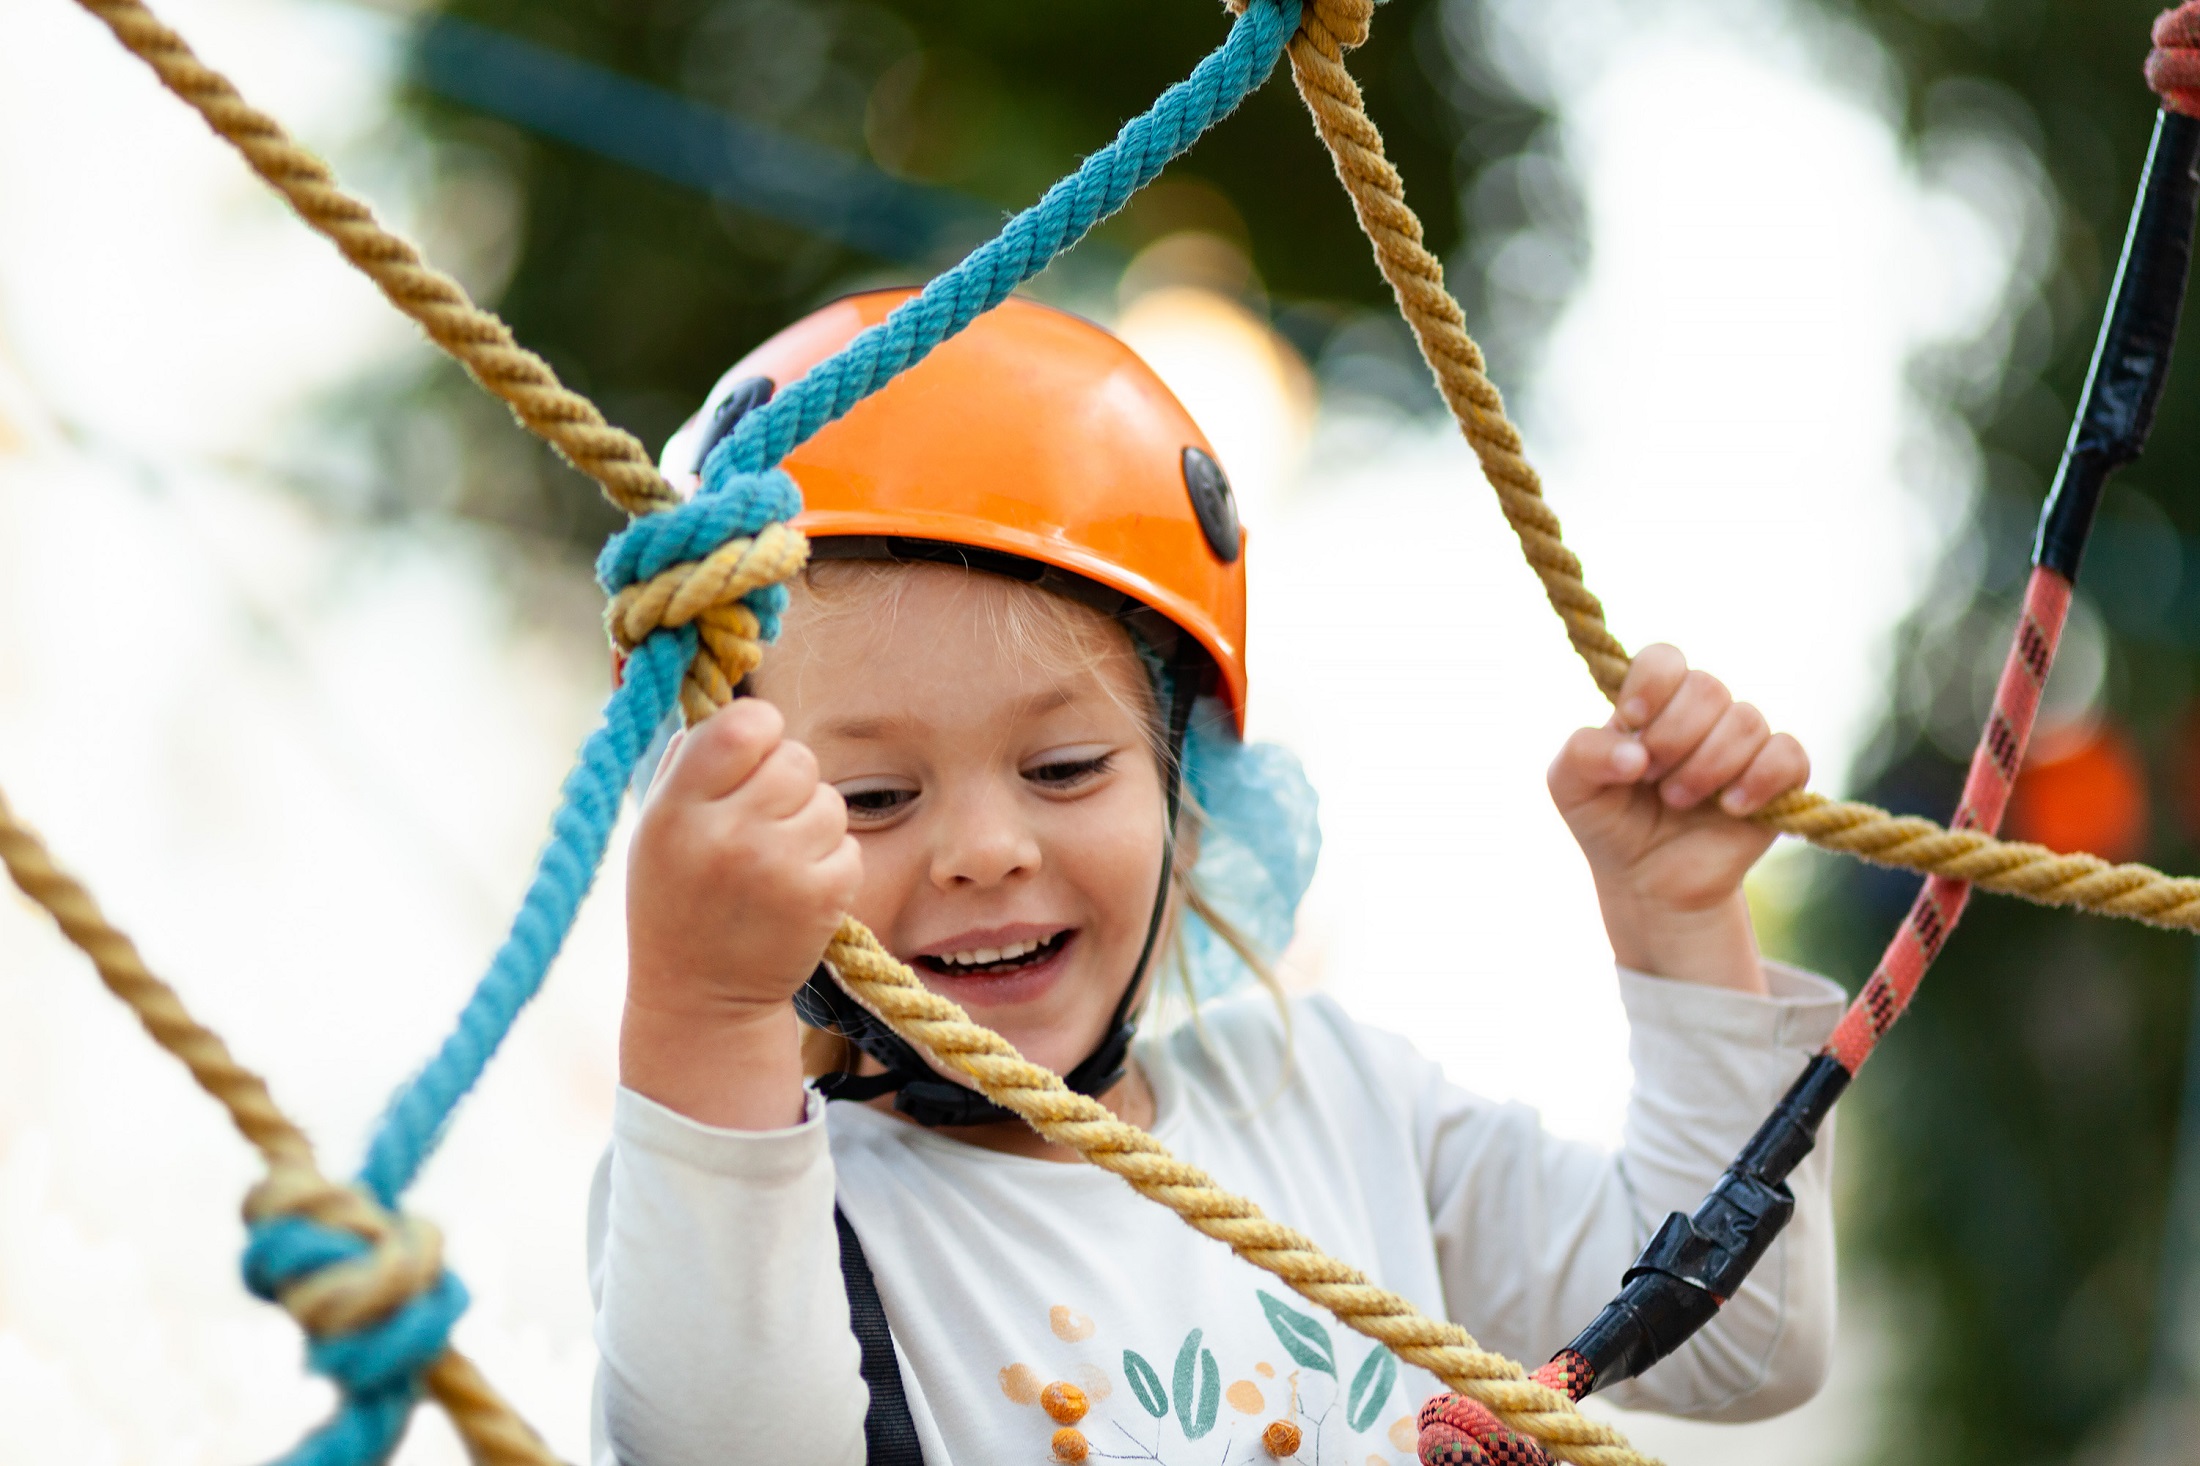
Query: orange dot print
[[1095, 1381], [1020, 1382], [1405, 1433], [1064, 1401], [1070, 1326], [1265, 1370], [1245, 1397]]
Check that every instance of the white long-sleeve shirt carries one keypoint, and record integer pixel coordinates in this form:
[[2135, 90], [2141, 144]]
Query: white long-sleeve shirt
[[723, 1321]]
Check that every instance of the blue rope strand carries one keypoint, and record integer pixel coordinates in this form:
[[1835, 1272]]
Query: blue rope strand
[[1025, 246], [378, 1368], [413, 1123]]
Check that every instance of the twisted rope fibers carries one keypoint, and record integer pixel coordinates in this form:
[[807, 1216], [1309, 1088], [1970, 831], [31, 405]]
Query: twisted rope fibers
[[988, 273], [665, 604], [384, 1261], [479, 341], [1852, 826], [733, 505], [1906, 842]]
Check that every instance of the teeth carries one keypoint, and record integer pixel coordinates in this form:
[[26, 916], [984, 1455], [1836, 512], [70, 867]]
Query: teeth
[[986, 956]]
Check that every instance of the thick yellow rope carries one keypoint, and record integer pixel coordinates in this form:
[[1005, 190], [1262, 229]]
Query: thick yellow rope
[[706, 594], [1416, 277], [407, 1255], [947, 1038], [483, 344]]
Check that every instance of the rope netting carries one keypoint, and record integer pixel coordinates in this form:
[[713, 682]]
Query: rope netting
[[696, 590]]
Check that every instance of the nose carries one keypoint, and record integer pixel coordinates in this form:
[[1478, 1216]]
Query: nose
[[982, 841]]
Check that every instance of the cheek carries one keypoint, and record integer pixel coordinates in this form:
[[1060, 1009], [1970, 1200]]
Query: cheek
[[1111, 853], [892, 871]]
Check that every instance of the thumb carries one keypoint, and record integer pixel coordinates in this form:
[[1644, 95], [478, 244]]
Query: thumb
[[1594, 760]]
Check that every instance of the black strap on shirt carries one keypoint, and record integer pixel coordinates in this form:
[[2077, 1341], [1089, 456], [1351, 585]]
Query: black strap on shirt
[[889, 1435]]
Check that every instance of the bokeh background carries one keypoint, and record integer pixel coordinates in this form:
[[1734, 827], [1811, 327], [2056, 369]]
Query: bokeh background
[[1793, 296]]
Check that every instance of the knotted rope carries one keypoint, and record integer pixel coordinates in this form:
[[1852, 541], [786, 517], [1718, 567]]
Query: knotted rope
[[703, 577], [379, 1319]]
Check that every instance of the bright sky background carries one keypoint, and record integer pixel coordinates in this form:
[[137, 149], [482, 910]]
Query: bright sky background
[[308, 767]]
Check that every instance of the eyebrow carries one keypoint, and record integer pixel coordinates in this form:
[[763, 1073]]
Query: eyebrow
[[872, 728]]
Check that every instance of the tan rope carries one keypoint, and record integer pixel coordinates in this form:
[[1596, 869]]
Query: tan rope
[[944, 1034], [407, 1255], [481, 343], [706, 594], [1417, 279], [2032, 872]]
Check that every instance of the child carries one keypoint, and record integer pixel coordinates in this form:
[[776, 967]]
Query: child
[[1001, 728]]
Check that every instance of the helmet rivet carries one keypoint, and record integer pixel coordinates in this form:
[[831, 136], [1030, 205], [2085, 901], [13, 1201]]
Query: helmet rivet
[[1213, 502], [747, 395]]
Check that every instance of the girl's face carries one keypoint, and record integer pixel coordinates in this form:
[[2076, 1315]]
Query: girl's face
[[991, 742]]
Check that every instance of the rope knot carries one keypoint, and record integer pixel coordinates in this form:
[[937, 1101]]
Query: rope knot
[[370, 1290], [2173, 70], [1345, 22], [717, 563]]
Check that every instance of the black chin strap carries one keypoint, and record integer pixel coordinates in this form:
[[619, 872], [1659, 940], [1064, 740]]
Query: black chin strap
[[929, 1097]]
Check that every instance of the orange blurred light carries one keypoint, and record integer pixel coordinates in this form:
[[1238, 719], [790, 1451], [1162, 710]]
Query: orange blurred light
[[2084, 789]]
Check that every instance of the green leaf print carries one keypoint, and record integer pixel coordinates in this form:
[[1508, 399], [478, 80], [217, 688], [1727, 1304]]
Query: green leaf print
[[1302, 1337], [1191, 1358], [1370, 1388], [1145, 1384]]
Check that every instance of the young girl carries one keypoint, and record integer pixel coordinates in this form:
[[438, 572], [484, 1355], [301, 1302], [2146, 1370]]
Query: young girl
[[1002, 729]]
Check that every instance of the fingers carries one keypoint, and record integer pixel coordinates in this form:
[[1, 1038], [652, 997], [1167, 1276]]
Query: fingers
[[816, 830], [1687, 718], [1718, 758], [840, 874], [1593, 760], [1780, 766], [713, 758], [782, 784], [1655, 676], [741, 752], [1695, 740]]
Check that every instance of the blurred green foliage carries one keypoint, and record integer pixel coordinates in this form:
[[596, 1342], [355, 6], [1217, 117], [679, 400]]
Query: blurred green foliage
[[2009, 1149], [2017, 1128], [641, 292]]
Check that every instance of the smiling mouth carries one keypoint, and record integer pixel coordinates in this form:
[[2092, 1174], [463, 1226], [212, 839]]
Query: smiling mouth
[[995, 961]]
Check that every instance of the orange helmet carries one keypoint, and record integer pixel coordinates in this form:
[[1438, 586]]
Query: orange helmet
[[1033, 433]]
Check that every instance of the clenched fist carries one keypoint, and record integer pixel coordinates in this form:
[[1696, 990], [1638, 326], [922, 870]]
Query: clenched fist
[[739, 874], [1656, 799]]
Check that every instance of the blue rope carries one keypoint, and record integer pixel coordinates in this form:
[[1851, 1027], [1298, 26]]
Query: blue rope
[[378, 1368], [1024, 247]]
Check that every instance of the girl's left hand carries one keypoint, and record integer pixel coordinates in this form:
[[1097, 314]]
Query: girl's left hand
[[1655, 799]]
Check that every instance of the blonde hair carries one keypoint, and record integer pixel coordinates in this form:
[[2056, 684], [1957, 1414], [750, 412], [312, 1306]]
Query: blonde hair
[[1068, 638]]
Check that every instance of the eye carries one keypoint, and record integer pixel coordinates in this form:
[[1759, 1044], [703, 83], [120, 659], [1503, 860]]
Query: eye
[[1058, 772], [871, 804]]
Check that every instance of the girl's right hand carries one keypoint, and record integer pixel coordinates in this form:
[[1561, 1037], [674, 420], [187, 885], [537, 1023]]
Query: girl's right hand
[[740, 871], [738, 875]]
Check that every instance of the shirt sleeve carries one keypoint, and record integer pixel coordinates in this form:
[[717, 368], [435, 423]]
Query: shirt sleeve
[[721, 1317], [1533, 1233]]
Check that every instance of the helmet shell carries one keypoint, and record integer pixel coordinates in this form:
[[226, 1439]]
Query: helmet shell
[[1032, 433]]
